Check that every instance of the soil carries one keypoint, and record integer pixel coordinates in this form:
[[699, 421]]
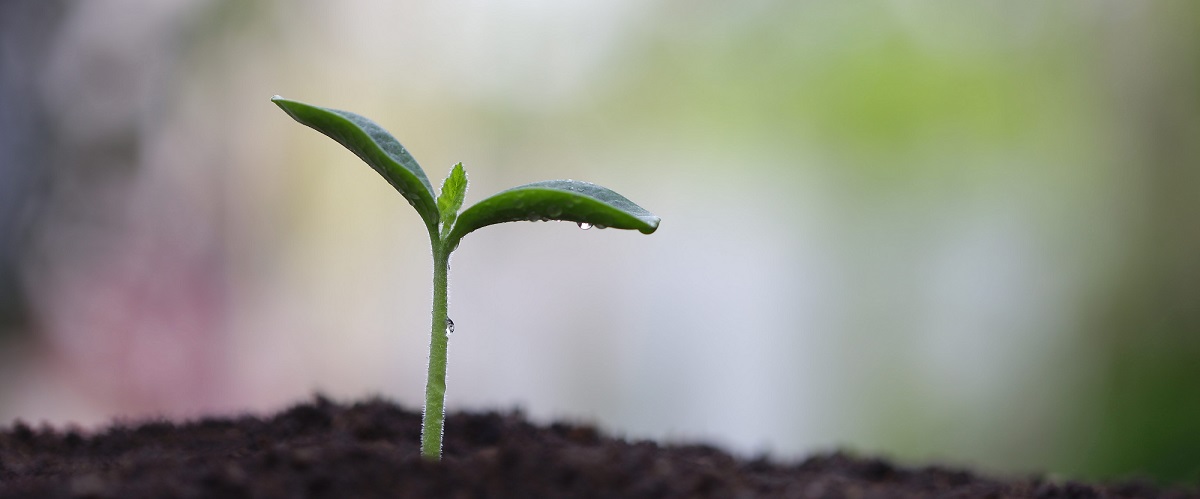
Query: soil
[[321, 449]]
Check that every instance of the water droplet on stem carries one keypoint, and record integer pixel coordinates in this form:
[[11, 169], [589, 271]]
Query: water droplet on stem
[[449, 326]]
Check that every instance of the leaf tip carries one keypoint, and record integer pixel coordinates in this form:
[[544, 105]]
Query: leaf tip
[[285, 104], [651, 226]]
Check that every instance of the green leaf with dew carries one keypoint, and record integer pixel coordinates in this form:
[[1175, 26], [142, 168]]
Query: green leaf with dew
[[570, 200], [373, 145]]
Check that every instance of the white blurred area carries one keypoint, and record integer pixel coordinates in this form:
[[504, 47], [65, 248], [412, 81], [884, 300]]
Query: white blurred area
[[904, 285]]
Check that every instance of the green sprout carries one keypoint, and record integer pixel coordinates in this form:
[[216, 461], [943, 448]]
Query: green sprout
[[581, 202]]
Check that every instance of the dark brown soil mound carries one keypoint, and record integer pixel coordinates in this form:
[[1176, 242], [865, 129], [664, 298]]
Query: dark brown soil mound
[[368, 450]]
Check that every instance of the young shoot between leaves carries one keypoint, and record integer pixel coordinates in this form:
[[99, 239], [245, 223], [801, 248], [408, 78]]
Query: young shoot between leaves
[[570, 200]]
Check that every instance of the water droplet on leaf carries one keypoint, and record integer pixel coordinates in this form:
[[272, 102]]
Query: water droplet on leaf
[[585, 225]]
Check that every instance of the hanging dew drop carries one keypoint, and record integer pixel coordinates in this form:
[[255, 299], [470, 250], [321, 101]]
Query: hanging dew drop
[[449, 326], [585, 225]]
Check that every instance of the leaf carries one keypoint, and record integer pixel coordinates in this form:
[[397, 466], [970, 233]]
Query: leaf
[[570, 200], [454, 190], [375, 146]]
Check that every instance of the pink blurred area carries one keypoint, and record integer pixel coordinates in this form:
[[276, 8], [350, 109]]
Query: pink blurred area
[[135, 320], [125, 272]]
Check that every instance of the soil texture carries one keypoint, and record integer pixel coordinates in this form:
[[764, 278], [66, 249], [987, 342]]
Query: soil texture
[[321, 449]]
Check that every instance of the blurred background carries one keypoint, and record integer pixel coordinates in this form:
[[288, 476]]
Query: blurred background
[[940, 231]]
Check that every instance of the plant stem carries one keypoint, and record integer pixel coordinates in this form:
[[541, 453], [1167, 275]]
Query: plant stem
[[435, 384]]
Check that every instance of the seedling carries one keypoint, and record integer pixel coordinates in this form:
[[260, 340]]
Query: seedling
[[586, 204]]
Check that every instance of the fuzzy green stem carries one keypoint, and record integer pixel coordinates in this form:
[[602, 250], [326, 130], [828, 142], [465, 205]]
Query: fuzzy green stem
[[435, 385]]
